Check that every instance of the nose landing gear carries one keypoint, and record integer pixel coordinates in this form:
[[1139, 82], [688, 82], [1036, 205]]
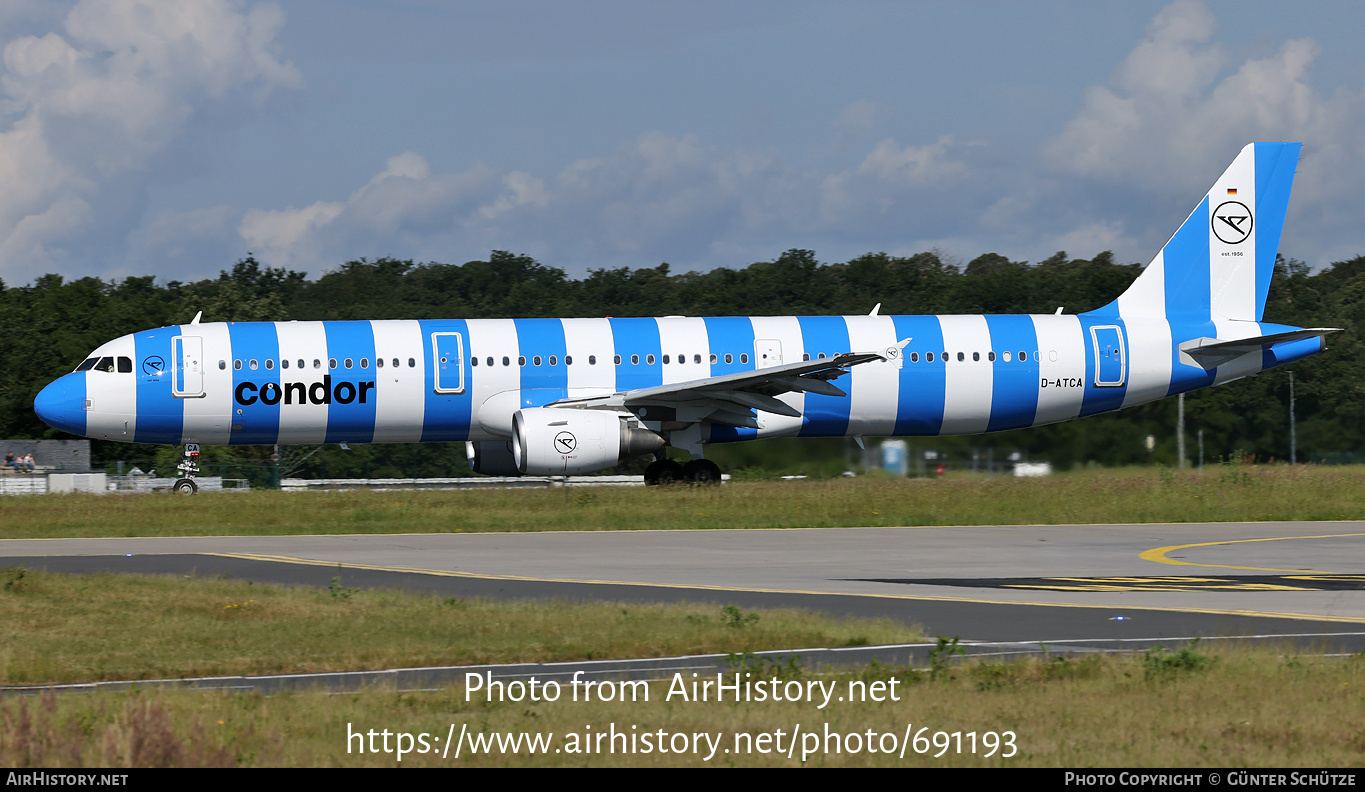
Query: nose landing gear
[[189, 468]]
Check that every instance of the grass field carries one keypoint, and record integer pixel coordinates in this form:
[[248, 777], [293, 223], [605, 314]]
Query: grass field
[[1233, 709], [82, 628], [1222, 493]]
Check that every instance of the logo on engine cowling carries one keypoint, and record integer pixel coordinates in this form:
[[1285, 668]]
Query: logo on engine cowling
[[565, 442]]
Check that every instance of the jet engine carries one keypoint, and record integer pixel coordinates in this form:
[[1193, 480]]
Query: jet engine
[[563, 442], [491, 458]]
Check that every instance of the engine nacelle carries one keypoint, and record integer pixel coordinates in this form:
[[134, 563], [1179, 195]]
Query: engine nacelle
[[491, 458], [564, 442]]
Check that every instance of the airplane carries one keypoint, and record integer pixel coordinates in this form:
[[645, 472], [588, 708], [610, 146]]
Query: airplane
[[553, 397]]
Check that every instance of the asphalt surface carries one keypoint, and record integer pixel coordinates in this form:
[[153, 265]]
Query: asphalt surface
[[1001, 589]]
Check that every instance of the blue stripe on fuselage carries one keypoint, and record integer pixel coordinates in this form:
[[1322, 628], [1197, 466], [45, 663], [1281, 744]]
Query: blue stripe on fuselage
[[543, 339], [730, 335], [1097, 400], [353, 422], [1014, 389], [1185, 377], [919, 408], [826, 416], [445, 416], [259, 422], [160, 416], [640, 337]]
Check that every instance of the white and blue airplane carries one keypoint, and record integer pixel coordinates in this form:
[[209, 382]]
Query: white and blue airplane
[[573, 396]]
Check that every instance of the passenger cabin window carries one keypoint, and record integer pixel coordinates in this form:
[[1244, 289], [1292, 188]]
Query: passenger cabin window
[[473, 361], [331, 362], [252, 364], [713, 358], [929, 356], [284, 363], [222, 365], [568, 360], [914, 357], [634, 360], [649, 359], [489, 361], [236, 365], [696, 358], [379, 362], [521, 360], [554, 360], [616, 359], [665, 360], [347, 361], [316, 363], [592, 360], [270, 365], [729, 358], [536, 360], [364, 363], [1023, 356], [990, 356], [506, 361], [744, 357]]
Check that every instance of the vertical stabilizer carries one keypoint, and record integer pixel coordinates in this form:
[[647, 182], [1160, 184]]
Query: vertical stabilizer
[[1218, 265]]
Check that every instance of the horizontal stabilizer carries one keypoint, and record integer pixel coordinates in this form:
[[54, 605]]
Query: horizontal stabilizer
[[1209, 353]]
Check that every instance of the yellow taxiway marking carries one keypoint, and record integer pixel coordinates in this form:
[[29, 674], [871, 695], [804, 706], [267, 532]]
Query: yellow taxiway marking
[[918, 597], [1158, 554]]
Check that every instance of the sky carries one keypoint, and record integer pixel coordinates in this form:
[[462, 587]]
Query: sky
[[174, 137]]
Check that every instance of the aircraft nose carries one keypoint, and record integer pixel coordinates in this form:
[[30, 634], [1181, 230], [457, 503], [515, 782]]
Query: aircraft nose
[[61, 404]]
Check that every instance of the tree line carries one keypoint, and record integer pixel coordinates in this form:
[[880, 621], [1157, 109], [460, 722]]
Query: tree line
[[52, 323]]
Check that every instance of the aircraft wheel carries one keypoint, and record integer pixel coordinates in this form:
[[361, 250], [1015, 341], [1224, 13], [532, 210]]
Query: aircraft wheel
[[664, 471], [702, 471], [185, 487]]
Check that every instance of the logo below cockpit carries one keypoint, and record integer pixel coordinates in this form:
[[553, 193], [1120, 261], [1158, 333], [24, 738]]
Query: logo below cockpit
[[154, 365]]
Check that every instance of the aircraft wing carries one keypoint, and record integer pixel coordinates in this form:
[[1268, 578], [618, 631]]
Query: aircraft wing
[[732, 398]]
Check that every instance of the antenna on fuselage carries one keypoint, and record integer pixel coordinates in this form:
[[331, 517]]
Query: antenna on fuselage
[[195, 320]]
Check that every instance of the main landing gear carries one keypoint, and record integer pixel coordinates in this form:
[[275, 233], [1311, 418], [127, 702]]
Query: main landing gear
[[666, 471], [189, 468]]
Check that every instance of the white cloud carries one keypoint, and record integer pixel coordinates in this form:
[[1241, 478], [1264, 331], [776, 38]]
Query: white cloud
[[1174, 115], [402, 202], [1179, 108], [886, 176], [857, 117], [84, 110], [1088, 240]]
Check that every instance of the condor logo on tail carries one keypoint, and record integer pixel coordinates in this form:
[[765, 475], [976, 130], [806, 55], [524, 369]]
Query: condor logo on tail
[[1232, 222], [302, 393]]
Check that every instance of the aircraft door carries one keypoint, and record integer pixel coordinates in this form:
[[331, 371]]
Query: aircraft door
[[767, 352], [448, 349], [1111, 366], [187, 355]]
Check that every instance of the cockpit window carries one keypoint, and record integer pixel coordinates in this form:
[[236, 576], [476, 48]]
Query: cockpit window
[[125, 364], [105, 364], [87, 364]]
